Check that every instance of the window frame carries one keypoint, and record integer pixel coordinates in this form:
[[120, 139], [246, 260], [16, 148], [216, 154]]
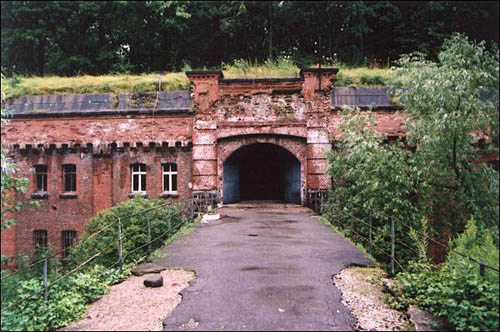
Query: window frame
[[73, 181], [169, 173], [36, 238], [64, 238], [44, 175], [139, 174]]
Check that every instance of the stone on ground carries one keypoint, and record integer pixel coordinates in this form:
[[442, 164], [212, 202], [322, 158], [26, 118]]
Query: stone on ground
[[154, 281]]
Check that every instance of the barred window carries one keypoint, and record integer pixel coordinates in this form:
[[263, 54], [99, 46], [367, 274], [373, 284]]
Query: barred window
[[138, 178], [68, 240], [69, 177], [170, 178], [41, 177], [40, 237]]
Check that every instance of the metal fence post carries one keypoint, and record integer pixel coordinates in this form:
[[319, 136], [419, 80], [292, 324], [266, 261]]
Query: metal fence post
[[370, 234], [120, 245], [45, 268], [392, 245], [149, 232], [168, 219]]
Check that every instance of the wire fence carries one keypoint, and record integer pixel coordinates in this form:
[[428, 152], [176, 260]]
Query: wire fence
[[182, 210], [368, 239]]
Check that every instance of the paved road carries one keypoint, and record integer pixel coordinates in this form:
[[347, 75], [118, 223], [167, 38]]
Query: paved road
[[262, 269]]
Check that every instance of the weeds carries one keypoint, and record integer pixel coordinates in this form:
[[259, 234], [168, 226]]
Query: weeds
[[116, 83]]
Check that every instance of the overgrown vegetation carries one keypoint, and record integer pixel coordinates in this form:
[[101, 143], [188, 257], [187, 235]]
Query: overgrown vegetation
[[50, 85], [438, 173], [374, 182], [455, 291], [280, 68], [133, 230], [69, 297]]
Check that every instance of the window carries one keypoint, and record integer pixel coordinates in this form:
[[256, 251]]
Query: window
[[41, 177], [170, 178], [69, 177], [138, 178], [68, 240], [40, 237]]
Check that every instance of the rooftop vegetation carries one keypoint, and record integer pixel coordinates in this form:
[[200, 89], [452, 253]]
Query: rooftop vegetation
[[115, 83]]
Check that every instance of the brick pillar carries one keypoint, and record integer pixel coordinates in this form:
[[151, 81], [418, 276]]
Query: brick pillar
[[205, 89], [316, 91]]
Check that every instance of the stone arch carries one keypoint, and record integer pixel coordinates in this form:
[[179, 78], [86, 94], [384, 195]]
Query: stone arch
[[294, 145]]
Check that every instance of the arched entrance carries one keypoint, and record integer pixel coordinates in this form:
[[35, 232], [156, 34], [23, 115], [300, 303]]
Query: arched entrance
[[261, 171]]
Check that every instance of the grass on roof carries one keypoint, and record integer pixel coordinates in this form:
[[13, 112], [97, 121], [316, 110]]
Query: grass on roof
[[116, 83]]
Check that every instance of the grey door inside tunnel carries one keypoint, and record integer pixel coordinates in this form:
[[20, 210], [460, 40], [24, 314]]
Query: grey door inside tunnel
[[261, 171]]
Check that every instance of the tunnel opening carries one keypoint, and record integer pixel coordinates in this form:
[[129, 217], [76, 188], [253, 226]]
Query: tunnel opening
[[261, 171]]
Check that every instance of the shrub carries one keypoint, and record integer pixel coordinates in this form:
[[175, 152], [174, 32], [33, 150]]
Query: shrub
[[67, 300], [455, 291], [343, 80], [372, 80], [133, 230]]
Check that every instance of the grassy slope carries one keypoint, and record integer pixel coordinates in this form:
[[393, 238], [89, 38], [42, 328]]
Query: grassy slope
[[48, 85]]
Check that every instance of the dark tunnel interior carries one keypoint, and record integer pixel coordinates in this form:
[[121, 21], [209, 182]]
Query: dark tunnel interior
[[261, 171]]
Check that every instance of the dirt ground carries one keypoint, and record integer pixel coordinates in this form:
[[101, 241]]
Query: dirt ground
[[362, 293], [130, 306]]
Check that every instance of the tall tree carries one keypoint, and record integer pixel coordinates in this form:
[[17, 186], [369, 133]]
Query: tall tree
[[453, 105]]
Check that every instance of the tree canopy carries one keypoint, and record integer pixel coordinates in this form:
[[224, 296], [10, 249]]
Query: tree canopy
[[94, 37]]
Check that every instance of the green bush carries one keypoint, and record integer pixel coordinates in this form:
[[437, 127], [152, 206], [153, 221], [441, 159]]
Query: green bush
[[372, 80], [133, 230], [455, 291], [343, 80], [68, 298]]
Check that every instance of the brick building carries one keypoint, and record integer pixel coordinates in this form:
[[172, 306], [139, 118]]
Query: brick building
[[231, 139]]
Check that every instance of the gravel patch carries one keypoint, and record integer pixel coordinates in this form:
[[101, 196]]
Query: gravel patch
[[130, 306], [362, 293]]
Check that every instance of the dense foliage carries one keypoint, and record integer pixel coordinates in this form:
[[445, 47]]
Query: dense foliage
[[453, 126], [441, 172], [68, 298], [455, 291], [71, 37], [374, 180], [133, 230]]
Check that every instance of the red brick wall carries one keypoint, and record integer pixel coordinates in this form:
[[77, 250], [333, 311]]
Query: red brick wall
[[102, 181], [55, 214], [99, 131]]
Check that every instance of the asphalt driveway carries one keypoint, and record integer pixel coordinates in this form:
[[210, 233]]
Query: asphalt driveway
[[262, 269]]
